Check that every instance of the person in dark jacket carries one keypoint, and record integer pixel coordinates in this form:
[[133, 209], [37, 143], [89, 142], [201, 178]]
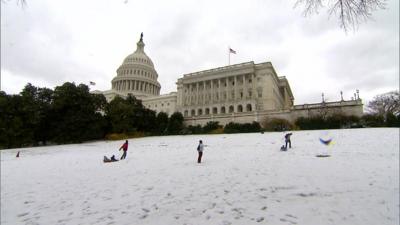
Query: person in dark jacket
[[113, 159], [124, 147], [287, 140], [200, 149]]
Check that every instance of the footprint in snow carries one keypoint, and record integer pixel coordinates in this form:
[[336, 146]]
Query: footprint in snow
[[260, 219]]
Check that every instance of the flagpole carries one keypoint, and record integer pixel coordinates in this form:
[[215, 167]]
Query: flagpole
[[229, 55]]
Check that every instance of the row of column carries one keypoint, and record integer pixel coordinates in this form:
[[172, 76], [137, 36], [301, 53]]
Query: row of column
[[229, 84], [134, 85]]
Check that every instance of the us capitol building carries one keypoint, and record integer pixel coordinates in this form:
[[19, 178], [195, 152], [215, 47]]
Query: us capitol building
[[240, 93]]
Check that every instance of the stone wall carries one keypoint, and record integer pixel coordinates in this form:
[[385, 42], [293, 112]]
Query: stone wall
[[353, 107]]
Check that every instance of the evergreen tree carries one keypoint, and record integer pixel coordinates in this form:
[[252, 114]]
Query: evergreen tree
[[162, 122], [75, 114], [175, 123]]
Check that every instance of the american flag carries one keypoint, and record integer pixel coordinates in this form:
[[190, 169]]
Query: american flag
[[92, 83], [232, 51]]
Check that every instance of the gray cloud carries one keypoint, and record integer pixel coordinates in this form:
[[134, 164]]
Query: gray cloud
[[49, 43]]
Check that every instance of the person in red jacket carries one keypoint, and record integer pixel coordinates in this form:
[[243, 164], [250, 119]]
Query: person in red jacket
[[125, 148]]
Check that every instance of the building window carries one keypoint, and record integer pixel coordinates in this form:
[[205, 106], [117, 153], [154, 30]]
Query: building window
[[222, 109], [240, 108], [250, 81], [259, 93], [186, 113], [248, 107], [231, 109], [193, 113], [241, 94], [215, 110]]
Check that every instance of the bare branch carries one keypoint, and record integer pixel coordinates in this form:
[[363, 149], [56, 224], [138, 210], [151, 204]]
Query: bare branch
[[349, 12], [385, 103]]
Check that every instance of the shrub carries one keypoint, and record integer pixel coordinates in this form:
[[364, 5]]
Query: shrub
[[115, 136], [242, 128], [392, 120], [194, 129], [210, 126], [277, 124], [219, 130], [371, 120]]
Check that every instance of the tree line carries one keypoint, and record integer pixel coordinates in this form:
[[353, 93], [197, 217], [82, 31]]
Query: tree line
[[71, 114]]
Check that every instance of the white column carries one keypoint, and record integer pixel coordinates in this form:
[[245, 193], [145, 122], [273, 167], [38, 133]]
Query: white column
[[204, 92], [212, 91], [235, 90], [197, 93], [244, 87], [219, 88]]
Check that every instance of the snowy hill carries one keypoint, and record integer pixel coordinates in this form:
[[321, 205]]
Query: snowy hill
[[244, 179]]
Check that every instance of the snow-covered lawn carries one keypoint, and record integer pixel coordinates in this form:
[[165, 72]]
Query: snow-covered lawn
[[244, 179]]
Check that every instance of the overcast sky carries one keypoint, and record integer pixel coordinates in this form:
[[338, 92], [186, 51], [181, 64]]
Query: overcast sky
[[51, 42]]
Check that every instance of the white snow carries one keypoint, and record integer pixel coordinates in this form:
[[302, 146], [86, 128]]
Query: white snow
[[244, 179]]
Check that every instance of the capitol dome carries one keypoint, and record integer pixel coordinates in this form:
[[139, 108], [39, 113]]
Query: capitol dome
[[137, 75]]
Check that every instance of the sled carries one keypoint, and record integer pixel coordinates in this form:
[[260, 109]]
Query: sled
[[322, 156], [107, 160]]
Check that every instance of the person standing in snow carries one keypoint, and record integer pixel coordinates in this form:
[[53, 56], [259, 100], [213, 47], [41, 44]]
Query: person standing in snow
[[200, 149], [125, 148], [287, 140]]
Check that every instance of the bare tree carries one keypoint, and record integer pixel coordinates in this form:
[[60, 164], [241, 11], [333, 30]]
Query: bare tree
[[385, 103], [350, 12]]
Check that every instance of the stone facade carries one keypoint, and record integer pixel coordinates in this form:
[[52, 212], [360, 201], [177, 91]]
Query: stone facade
[[240, 93], [240, 88], [162, 103]]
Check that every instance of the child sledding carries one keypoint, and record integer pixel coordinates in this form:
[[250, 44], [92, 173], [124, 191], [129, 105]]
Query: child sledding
[[112, 159], [124, 147], [287, 141]]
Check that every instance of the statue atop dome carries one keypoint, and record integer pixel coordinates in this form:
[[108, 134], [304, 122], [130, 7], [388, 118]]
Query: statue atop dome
[[141, 36]]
